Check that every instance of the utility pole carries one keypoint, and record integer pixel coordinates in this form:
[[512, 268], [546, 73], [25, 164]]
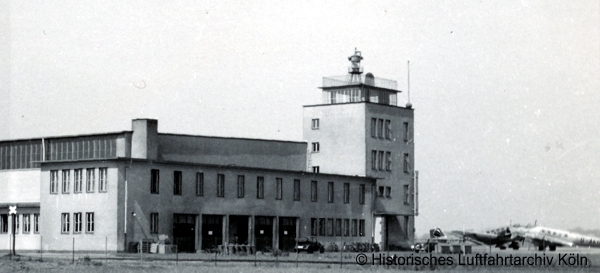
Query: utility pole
[[13, 212]]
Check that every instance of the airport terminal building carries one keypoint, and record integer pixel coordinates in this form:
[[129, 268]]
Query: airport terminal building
[[351, 180]]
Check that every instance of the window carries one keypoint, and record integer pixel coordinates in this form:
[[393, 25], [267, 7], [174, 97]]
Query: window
[[388, 161], [296, 189], [330, 227], [89, 222], [200, 184], [316, 147], [374, 160], [78, 183], [3, 223], [346, 193], [66, 181], [315, 169], [388, 192], [330, 192], [380, 190], [361, 227], [102, 172], [388, 129], [154, 222], [240, 186], [406, 167], [361, 194], [89, 180], [346, 227], [36, 223], [279, 183], [380, 160], [338, 227], [177, 183], [260, 187], [380, 128], [220, 185], [322, 226], [354, 227], [315, 123], [65, 223], [26, 223], [54, 181], [406, 195], [77, 223], [373, 127], [313, 191], [154, 181], [313, 227], [406, 131]]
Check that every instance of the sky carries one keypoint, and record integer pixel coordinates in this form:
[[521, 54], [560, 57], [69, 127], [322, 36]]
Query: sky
[[506, 93]]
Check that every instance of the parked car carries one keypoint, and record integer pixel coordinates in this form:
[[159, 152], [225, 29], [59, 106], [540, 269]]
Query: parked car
[[309, 244]]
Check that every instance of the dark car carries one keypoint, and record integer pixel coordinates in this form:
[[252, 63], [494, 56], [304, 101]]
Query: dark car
[[309, 245]]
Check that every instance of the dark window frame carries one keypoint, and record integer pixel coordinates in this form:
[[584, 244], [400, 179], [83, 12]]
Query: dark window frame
[[154, 181]]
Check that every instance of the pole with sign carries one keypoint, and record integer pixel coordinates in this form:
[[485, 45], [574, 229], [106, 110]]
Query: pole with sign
[[13, 212]]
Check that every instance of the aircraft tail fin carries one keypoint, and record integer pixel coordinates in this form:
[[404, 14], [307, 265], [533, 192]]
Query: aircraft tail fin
[[436, 233]]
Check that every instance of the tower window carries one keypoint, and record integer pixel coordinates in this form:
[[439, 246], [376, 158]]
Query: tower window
[[406, 195], [388, 192], [373, 127], [380, 190], [316, 147], [406, 166], [388, 161], [313, 191], [380, 160], [380, 128], [388, 129], [346, 193], [315, 169], [315, 123], [154, 223], [279, 183], [406, 131], [361, 194], [66, 181], [374, 160], [330, 193], [200, 184], [260, 187]]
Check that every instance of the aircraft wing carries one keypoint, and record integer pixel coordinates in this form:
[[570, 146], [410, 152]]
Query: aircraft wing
[[482, 238], [543, 240]]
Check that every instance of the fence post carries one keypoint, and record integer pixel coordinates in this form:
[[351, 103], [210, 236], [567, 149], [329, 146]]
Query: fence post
[[105, 249], [73, 261], [141, 248], [176, 254], [217, 250], [341, 252], [41, 246]]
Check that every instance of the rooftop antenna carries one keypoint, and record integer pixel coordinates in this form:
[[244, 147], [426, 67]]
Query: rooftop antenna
[[408, 104], [355, 69]]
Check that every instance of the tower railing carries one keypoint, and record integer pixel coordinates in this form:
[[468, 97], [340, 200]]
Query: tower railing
[[335, 81]]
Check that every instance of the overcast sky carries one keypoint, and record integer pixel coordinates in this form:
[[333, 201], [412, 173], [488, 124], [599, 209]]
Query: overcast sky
[[506, 93]]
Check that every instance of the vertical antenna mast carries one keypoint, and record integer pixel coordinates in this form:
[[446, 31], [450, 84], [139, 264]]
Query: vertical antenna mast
[[408, 104]]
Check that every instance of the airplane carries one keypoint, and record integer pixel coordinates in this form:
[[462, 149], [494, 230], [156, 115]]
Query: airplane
[[543, 237], [498, 237], [436, 236]]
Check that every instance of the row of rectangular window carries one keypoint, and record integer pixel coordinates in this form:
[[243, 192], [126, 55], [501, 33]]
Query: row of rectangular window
[[29, 223], [90, 180], [377, 160], [381, 128], [78, 222], [260, 187], [326, 227]]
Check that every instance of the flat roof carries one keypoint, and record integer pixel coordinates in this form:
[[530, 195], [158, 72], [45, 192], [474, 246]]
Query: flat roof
[[240, 138], [227, 166]]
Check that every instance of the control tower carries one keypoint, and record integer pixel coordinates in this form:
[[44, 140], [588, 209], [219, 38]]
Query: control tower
[[358, 129]]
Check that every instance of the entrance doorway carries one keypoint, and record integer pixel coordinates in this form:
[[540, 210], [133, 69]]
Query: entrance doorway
[[212, 231], [184, 235], [287, 233], [238, 229], [264, 233]]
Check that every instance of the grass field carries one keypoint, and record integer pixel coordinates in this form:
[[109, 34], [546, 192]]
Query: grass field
[[326, 262]]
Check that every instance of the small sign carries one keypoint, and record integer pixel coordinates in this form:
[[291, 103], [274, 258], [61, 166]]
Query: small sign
[[262, 231], [285, 232], [210, 232], [12, 209]]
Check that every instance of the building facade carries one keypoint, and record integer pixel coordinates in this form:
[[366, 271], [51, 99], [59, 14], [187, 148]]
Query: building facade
[[113, 190]]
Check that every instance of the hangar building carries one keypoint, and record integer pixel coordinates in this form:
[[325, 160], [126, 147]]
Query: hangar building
[[351, 180]]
